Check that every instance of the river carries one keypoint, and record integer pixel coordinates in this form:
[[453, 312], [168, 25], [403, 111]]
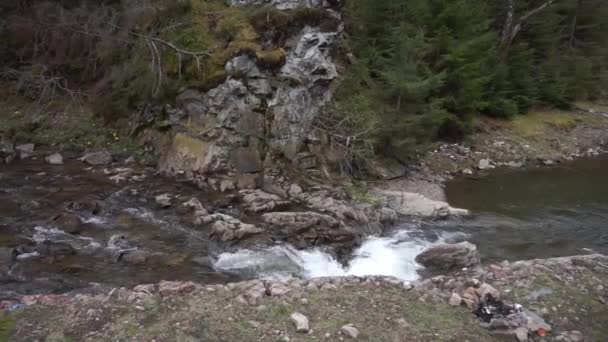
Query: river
[[516, 214]]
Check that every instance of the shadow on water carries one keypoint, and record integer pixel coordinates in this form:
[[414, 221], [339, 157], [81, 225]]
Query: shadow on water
[[535, 213]]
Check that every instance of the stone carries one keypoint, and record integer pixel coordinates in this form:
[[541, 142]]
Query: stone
[[227, 228], [69, 223], [25, 150], [570, 336], [248, 181], [166, 288], [55, 248], [535, 322], [300, 321], [282, 4], [486, 291], [448, 257], [137, 257], [242, 66], [119, 241], [455, 299], [7, 255], [258, 201], [7, 150], [97, 158], [470, 299], [54, 159], [484, 164], [388, 168], [164, 200], [521, 334], [413, 204], [246, 160], [350, 331]]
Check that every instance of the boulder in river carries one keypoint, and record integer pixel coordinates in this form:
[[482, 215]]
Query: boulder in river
[[448, 257], [54, 159], [25, 150], [97, 158]]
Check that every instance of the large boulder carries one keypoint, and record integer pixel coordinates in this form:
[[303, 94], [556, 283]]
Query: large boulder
[[448, 257], [413, 204]]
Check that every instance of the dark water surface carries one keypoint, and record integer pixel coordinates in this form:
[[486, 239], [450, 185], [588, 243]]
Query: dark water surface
[[535, 213]]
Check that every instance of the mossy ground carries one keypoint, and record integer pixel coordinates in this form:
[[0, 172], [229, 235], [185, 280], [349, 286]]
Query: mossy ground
[[64, 125], [378, 313]]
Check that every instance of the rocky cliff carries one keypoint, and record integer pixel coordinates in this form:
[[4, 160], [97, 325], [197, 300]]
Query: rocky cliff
[[263, 111]]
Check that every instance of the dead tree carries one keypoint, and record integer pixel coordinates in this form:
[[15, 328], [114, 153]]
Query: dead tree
[[513, 26]]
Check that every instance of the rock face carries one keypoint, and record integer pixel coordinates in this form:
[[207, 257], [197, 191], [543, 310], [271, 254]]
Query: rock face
[[413, 204], [450, 256], [227, 134]]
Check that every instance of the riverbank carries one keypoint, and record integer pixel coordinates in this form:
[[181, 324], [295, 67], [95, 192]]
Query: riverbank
[[567, 295], [544, 137]]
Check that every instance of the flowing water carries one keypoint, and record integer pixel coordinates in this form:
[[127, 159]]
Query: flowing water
[[516, 215]]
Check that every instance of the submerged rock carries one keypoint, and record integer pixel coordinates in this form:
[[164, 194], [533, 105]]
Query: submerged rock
[[450, 256]]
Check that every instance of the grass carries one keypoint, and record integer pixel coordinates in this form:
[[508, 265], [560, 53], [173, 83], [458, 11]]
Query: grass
[[218, 316], [538, 123]]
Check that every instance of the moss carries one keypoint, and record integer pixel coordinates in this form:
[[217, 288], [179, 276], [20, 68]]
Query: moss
[[7, 325], [271, 58]]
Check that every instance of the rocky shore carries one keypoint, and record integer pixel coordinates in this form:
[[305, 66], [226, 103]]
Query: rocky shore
[[561, 299]]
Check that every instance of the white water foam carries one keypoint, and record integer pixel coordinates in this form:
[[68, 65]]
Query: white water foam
[[387, 256]]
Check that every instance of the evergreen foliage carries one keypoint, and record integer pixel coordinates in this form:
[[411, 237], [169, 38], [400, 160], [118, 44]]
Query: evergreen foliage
[[423, 68]]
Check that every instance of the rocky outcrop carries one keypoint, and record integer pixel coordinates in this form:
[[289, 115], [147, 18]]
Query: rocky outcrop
[[223, 137], [309, 228], [413, 204], [450, 256]]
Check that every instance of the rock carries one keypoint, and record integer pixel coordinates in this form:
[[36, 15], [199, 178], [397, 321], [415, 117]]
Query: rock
[[164, 200], [7, 150], [7, 255], [484, 164], [467, 172], [350, 331], [535, 322], [521, 334], [137, 257], [54, 159], [300, 321], [194, 205], [258, 201], [450, 256], [25, 150], [233, 230], [455, 299], [69, 223], [412, 204], [388, 168], [242, 66], [486, 291], [166, 288], [246, 160], [97, 158], [570, 336], [54, 248], [470, 299], [119, 241]]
